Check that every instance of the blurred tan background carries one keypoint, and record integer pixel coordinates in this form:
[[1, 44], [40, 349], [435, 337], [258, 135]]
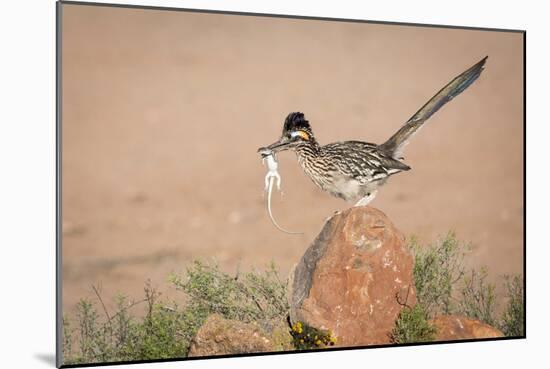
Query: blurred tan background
[[163, 112]]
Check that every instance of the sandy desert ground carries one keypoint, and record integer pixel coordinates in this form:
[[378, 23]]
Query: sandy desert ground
[[163, 112]]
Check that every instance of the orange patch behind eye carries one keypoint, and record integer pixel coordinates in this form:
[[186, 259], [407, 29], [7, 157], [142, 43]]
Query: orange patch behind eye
[[304, 135]]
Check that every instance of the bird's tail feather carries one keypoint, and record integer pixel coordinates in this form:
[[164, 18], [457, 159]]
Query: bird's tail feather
[[395, 144]]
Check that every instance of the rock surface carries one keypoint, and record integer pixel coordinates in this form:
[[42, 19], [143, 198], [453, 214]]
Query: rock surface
[[453, 327], [220, 336], [354, 278]]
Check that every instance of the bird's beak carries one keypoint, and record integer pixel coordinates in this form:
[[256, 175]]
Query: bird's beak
[[281, 145]]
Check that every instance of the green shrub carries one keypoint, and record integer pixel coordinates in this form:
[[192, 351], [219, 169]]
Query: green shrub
[[443, 286], [90, 332], [162, 333], [477, 297], [513, 319], [412, 326], [252, 297], [166, 330], [437, 269], [67, 340]]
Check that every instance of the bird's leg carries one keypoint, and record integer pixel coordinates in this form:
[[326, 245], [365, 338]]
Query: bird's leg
[[367, 199]]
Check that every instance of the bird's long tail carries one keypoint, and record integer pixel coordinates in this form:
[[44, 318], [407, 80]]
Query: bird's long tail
[[396, 143]]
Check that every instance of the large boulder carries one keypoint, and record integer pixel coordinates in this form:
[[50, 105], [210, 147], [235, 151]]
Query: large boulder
[[220, 336], [354, 279], [453, 327]]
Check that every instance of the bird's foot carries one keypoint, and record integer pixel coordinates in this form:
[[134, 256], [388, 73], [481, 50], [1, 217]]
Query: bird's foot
[[336, 212], [366, 200]]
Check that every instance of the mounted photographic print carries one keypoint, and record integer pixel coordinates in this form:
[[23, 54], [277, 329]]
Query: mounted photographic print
[[232, 184]]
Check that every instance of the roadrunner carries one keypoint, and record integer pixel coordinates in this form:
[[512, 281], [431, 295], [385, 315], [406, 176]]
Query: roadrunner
[[354, 170]]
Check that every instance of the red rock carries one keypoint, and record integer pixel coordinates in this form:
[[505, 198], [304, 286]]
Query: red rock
[[349, 279], [220, 336], [453, 327]]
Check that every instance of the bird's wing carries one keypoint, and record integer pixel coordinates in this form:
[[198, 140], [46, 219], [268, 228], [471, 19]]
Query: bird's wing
[[376, 165]]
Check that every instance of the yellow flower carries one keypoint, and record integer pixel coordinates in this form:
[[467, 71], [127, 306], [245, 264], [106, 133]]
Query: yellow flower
[[318, 342]]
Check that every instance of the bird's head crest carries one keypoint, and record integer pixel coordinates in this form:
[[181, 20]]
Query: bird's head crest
[[296, 122]]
